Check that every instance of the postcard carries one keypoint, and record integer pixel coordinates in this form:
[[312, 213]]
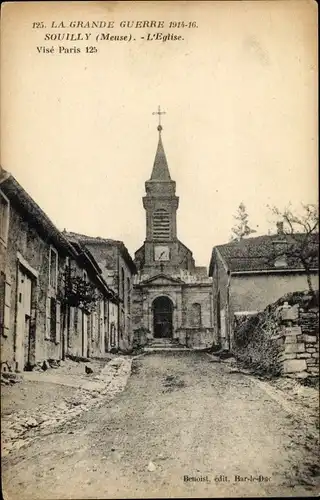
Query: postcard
[[159, 294]]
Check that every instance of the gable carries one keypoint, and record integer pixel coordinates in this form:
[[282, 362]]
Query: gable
[[162, 279]]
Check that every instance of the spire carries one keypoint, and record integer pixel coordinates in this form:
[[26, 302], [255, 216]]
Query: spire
[[160, 171]]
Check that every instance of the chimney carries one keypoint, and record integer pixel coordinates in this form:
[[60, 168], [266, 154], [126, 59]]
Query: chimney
[[279, 244], [280, 227]]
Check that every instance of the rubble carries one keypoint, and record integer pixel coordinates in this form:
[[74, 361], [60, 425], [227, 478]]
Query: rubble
[[151, 467], [9, 378], [18, 427]]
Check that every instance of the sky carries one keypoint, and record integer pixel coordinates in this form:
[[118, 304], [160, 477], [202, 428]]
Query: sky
[[240, 95]]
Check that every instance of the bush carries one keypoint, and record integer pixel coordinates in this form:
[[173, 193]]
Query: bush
[[245, 333], [254, 342]]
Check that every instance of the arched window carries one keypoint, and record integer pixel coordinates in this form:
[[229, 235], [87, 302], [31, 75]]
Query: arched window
[[195, 315], [161, 224]]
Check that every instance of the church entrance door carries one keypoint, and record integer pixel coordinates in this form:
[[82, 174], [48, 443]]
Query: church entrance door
[[162, 317]]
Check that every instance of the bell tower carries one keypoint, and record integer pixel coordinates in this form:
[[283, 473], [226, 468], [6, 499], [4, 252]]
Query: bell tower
[[162, 251], [161, 205]]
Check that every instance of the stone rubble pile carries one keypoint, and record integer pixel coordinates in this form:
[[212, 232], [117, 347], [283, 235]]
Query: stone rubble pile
[[18, 428]]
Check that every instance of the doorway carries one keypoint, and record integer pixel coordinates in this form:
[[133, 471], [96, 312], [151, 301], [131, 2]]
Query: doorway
[[24, 344], [162, 317], [84, 334]]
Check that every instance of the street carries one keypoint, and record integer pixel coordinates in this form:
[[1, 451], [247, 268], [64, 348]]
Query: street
[[183, 427]]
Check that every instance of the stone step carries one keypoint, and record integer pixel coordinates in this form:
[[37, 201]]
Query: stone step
[[158, 346], [167, 349], [163, 340], [162, 343]]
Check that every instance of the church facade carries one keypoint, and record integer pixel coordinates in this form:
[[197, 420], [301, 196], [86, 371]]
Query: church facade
[[172, 297]]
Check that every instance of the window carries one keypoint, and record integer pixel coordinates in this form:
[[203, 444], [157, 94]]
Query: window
[[196, 315], [75, 320], [52, 331], [53, 269], [53, 319], [4, 218], [93, 325], [102, 306], [5, 303], [112, 335], [161, 224]]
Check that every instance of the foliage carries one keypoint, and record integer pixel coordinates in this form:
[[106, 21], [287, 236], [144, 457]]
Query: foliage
[[242, 228], [254, 345], [299, 231], [255, 338], [77, 291], [140, 336], [245, 331]]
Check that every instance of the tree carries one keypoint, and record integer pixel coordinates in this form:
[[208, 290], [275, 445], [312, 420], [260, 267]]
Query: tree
[[300, 232], [242, 228]]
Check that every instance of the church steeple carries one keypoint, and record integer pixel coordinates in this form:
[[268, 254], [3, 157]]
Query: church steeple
[[160, 202], [160, 171]]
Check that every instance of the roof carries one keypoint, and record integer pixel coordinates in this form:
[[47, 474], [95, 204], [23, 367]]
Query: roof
[[98, 240], [160, 171], [88, 261], [16, 194], [83, 238], [259, 253]]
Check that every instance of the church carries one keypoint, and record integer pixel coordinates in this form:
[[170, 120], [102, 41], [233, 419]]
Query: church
[[172, 297]]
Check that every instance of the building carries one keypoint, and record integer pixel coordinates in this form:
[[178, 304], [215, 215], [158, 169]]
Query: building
[[54, 299], [92, 312], [252, 273], [172, 296], [118, 270]]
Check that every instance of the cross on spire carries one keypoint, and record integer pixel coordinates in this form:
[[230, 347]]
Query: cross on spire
[[159, 112]]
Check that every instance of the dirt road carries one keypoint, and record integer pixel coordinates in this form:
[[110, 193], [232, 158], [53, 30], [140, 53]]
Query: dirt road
[[183, 427]]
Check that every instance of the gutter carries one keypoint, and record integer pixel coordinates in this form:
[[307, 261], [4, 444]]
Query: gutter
[[272, 271]]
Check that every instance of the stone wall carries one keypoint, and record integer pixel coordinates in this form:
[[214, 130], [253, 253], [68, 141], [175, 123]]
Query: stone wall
[[26, 240], [48, 330], [283, 339], [198, 338], [298, 342]]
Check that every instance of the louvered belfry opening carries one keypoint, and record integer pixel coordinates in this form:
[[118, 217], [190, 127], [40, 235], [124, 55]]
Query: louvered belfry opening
[[161, 225]]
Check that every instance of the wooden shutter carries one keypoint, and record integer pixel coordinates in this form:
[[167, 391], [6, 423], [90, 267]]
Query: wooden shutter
[[7, 306], [94, 325], [48, 318], [72, 332], [58, 320], [102, 306]]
